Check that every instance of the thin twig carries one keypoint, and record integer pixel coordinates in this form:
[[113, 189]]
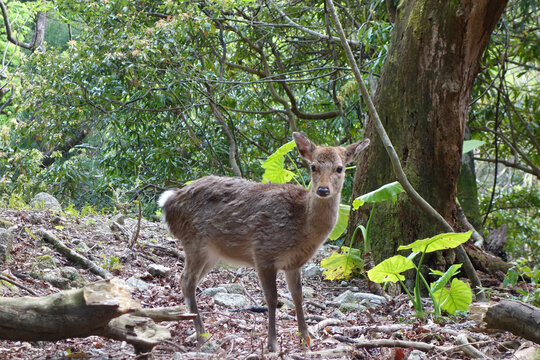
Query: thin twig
[[16, 283]]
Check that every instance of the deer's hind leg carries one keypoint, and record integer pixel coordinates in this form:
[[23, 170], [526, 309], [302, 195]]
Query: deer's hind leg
[[198, 263]]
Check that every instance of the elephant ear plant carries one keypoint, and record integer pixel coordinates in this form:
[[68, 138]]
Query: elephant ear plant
[[340, 265], [457, 297]]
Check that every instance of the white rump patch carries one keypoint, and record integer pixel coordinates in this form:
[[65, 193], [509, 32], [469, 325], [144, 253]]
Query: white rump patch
[[164, 197]]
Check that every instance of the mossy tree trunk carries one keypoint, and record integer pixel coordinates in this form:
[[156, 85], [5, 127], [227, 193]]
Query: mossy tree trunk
[[422, 99]]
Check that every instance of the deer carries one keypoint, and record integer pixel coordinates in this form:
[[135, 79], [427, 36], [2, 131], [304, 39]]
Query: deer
[[270, 227]]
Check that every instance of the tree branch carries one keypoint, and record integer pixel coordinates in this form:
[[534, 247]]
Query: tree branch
[[39, 32]]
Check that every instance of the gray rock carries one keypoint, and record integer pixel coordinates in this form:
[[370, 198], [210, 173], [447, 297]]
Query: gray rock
[[313, 271], [211, 292], [157, 270], [137, 284], [417, 355], [5, 224], [338, 314], [46, 201], [347, 307], [231, 300], [80, 245], [55, 279], [353, 297], [233, 288], [75, 279], [6, 241], [44, 262], [308, 292]]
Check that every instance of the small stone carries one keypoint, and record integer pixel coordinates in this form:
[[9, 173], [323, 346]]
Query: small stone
[[417, 355], [5, 224], [343, 284], [231, 300], [46, 201], [338, 314], [308, 292], [313, 271], [233, 288], [137, 284], [211, 292], [347, 307], [44, 262], [157, 270], [6, 241]]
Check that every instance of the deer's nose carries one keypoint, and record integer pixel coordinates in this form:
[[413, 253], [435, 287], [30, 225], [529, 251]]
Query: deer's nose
[[323, 191]]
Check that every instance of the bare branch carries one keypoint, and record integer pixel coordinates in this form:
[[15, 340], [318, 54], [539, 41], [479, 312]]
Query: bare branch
[[39, 32]]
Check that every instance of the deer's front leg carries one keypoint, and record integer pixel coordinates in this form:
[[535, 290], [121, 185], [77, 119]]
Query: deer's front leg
[[294, 282]]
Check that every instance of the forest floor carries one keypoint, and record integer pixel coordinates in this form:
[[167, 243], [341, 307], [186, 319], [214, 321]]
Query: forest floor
[[233, 335]]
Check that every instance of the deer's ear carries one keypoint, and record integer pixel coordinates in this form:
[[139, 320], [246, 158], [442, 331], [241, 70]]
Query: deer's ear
[[304, 145], [352, 151]]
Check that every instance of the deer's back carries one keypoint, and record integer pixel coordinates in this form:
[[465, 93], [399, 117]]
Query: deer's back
[[238, 217]]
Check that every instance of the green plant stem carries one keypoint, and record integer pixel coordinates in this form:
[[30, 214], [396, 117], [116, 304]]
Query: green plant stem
[[411, 297], [367, 245], [297, 172], [417, 282]]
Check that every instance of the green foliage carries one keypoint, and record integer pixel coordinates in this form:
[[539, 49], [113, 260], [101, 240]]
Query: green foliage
[[342, 221], [391, 269], [470, 145], [384, 193], [274, 166], [527, 275], [341, 265], [457, 297], [111, 263], [438, 242]]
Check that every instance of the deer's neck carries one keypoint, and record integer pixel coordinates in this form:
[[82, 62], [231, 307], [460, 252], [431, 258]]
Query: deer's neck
[[322, 216]]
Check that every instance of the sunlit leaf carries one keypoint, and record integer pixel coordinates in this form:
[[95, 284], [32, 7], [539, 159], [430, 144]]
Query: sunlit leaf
[[459, 297], [343, 220], [384, 193], [390, 269], [469, 145], [274, 166], [438, 242]]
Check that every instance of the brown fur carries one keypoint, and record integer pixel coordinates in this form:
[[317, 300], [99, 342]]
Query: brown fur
[[268, 226]]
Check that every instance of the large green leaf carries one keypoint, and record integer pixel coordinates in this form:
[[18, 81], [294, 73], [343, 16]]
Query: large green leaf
[[341, 265], [390, 269], [385, 192], [274, 166], [469, 145], [443, 280], [459, 297], [438, 242], [342, 221]]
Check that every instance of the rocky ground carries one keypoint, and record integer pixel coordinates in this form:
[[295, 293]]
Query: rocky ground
[[340, 314]]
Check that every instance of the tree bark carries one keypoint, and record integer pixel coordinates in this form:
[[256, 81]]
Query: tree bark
[[422, 100]]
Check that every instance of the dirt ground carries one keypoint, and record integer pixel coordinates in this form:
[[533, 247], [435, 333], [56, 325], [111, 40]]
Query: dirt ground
[[234, 335]]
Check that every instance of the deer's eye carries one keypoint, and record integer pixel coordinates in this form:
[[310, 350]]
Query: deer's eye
[[313, 168], [339, 169]]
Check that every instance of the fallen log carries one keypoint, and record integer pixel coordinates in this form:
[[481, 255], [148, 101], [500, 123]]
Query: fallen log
[[72, 255], [519, 318], [103, 308]]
